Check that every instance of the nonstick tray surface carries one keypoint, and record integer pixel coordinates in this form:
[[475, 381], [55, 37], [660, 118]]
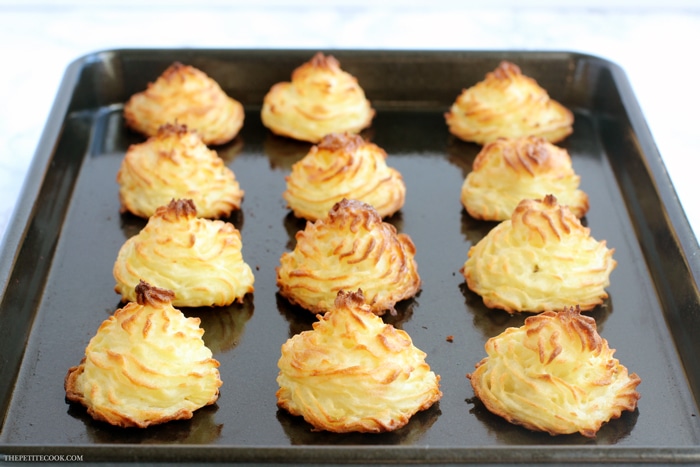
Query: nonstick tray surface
[[57, 284]]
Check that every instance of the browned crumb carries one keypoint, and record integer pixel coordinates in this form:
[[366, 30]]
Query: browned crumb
[[148, 294]]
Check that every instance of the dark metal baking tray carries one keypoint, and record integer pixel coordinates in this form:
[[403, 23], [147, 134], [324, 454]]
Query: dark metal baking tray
[[57, 284]]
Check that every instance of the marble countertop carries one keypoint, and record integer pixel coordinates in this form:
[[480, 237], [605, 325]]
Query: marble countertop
[[654, 43]]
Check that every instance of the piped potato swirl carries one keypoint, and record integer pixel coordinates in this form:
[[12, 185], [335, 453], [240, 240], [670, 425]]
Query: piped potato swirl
[[354, 373], [147, 364], [507, 104], [554, 374], [508, 170], [350, 249], [343, 165], [200, 260], [176, 164], [320, 99], [183, 94], [540, 259]]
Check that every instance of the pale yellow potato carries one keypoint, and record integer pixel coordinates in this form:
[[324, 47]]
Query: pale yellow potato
[[541, 259], [186, 95], [554, 374], [343, 165], [147, 364], [350, 249], [507, 104], [320, 99], [353, 373], [176, 164], [200, 260], [508, 170]]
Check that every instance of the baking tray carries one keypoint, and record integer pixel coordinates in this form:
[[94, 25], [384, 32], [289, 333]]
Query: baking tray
[[57, 284]]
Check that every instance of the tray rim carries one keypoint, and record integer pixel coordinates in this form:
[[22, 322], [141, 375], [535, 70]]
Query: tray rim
[[25, 207]]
